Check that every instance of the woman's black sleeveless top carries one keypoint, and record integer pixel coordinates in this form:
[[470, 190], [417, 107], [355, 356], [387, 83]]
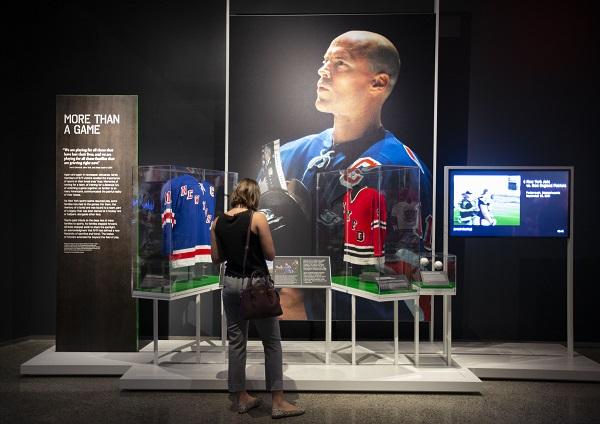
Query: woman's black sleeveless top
[[231, 232]]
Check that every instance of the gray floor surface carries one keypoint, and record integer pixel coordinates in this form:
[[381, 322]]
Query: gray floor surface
[[25, 399]]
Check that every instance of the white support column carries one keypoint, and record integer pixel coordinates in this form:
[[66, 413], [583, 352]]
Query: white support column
[[155, 328], [226, 159], [570, 332], [223, 324], [223, 331], [227, 31], [431, 326], [416, 319], [328, 319], [395, 332], [353, 303], [570, 341], [444, 325], [449, 331], [436, 10], [198, 328]]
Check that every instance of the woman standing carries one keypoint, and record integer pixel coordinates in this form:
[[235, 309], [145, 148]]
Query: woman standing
[[228, 241]]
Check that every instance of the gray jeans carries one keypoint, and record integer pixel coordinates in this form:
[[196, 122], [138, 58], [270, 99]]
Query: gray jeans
[[237, 334]]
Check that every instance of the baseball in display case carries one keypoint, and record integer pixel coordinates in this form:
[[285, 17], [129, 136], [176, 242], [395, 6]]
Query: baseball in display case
[[436, 272], [173, 209], [369, 223]]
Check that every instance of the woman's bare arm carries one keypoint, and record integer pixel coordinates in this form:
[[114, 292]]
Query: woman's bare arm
[[215, 253]]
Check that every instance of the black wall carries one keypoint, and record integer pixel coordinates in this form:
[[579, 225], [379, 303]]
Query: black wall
[[530, 101], [517, 86], [171, 55]]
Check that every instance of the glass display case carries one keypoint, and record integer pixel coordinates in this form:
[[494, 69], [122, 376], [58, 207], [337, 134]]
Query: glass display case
[[436, 273], [173, 209], [369, 223]]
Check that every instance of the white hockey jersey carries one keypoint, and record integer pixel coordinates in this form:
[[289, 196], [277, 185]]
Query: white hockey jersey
[[407, 215]]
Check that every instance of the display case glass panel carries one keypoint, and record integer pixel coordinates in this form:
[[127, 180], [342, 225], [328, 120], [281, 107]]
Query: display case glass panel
[[369, 223], [436, 271], [173, 209]]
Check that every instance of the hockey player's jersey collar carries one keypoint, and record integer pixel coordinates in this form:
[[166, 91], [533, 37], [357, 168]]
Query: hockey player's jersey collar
[[355, 192], [355, 148]]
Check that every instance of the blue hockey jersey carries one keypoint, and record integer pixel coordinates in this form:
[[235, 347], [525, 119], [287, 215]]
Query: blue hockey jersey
[[208, 216], [187, 209]]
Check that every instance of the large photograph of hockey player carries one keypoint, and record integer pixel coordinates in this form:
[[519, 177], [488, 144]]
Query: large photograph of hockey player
[[338, 92]]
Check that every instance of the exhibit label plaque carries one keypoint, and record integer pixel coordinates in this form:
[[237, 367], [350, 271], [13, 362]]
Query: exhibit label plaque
[[96, 148], [302, 271]]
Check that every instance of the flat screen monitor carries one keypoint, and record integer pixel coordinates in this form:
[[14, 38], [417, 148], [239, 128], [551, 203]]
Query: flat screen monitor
[[508, 201]]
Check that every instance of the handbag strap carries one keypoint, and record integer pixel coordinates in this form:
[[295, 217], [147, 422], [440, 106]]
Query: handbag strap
[[247, 244]]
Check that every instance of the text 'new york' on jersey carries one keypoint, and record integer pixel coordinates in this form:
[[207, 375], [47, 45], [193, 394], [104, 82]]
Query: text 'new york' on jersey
[[187, 211]]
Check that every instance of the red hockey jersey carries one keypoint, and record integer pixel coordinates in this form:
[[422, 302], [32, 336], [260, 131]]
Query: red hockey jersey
[[365, 226]]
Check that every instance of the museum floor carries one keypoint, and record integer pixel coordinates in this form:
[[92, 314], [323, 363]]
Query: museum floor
[[26, 399]]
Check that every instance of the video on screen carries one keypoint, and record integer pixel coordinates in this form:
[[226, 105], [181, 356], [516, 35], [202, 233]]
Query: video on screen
[[508, 203]]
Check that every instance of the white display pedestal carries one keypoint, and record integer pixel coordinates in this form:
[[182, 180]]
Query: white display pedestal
[[174, 296], [304, 370], [328, 314], [391, 297], [447, 295]]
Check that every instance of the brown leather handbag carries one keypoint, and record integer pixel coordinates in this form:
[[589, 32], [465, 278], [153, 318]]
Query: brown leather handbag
[[259, 299]]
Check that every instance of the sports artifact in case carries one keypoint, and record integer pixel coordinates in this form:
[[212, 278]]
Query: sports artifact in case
[[173, 209], [369, 222], [437, 272]]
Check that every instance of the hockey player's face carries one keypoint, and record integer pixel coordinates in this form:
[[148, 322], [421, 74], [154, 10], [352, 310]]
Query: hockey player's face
[[345, 79]]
